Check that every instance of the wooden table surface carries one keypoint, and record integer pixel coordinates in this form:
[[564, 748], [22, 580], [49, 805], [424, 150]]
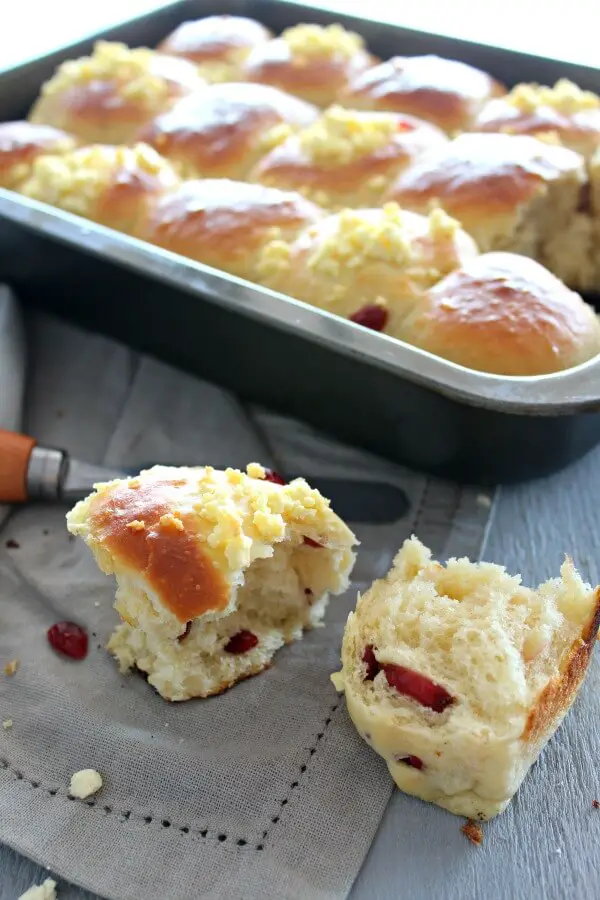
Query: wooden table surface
[[547, 844]]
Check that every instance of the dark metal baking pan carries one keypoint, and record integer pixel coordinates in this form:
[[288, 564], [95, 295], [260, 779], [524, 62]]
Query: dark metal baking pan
[[357, 385]]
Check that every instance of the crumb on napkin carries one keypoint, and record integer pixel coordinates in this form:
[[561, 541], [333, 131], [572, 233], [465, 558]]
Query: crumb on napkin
[[11, 667], [45, 891], [8, 723], [474, 832], [85, 783]]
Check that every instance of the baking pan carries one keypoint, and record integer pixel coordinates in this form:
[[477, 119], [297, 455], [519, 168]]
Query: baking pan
[[359, 386]]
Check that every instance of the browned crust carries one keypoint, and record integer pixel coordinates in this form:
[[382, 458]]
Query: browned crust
[[318, 80], [558, 695], [444, 91], [214, 38], [478, 175], [220, 689], [473, 832], [289, 166], [99, 111], [22, 142], [225, 223], [505, 314], [137, 523], [217, 133]]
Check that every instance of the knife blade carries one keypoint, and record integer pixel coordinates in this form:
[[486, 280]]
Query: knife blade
[[33, 472]]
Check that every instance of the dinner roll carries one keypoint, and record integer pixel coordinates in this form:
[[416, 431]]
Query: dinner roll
[[312, 61], [443, 91], [114, 186], [347, 158], [21, 143], [505, 314], [458, 675], [225, 130], [226, 224], [369, 265], [218, 45], [510, 192], [107, 97], [564, 111], [215, 570]]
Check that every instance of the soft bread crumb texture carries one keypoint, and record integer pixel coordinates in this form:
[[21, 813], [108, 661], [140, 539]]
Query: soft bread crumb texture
[[109, 185], [44, 891], [85, 783], [360, 257], [511, 659], [215, 570]]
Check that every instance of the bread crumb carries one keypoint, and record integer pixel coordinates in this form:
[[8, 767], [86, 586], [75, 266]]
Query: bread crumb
[[11, 667], [474, 832], [85, 783], [596, 804], [45, 891], [566, 97], [341, 136], [8, 723], [322, 42], [137, 525], [484, 500]]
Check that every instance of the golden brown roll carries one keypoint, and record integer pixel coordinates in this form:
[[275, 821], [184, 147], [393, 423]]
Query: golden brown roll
[[225, 130], [114, 186], [369, 265], [217, 45], [505, 314], [347, 158], [107, 97], [565, 112], [226, 224], [443, 91], [510, 192], [21, 143], [312, 61]]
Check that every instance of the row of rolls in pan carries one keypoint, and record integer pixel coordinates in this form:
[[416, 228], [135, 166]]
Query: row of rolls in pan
[[416, 196]]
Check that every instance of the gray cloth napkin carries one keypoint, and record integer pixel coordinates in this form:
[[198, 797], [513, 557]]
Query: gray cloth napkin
[[265, 791]]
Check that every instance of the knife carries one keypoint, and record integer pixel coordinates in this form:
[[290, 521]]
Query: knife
[[30, 471]]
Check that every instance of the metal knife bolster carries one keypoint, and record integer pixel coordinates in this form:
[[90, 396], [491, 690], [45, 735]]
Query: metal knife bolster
[[53, 475]]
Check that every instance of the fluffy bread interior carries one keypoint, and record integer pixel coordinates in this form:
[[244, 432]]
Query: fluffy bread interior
[[509, 659], [265, 557]]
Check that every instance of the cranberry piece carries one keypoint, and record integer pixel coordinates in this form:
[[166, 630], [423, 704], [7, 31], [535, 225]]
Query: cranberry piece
[[185, 633], [241, 642], [310, 543], [308, 592], [412, 761], [371, 663], [417, 687], [69, 639], [274, 477], [11, 544], [371, 316], [403, 125]]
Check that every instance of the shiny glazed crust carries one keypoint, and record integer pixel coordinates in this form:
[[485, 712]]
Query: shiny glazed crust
[[317, 77], [505, 314], [21, 143], [225, 223], [217, 45], [443, 91], [347, 159], [108, 97], [224, 130]]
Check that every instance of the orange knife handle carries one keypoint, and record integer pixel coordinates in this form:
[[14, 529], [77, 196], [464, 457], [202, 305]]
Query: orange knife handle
[[15, 453]]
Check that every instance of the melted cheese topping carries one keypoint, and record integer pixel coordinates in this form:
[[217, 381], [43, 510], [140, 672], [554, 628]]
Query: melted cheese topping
[[76, 180], [131, 70], [341, 136], [565, 97], [329, 42]]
